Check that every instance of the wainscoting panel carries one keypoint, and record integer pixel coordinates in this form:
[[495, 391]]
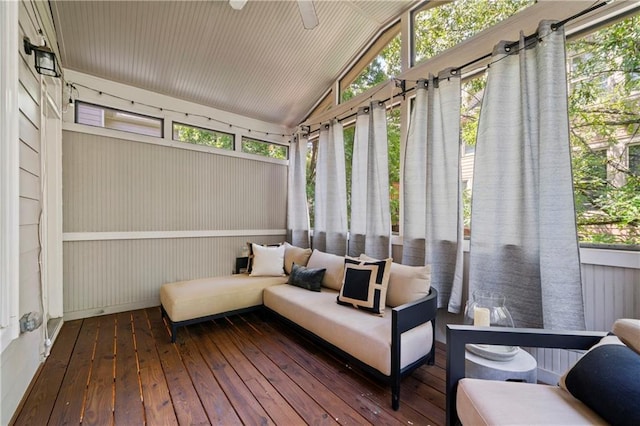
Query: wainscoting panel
[[118, 185], [610, 292], [137, 215], [117, 275]]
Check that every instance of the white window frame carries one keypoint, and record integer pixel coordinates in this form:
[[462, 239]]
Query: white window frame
[[9, 174], [124, 128]]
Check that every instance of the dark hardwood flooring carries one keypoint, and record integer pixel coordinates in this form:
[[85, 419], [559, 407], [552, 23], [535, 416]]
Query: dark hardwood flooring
[[251, 369]]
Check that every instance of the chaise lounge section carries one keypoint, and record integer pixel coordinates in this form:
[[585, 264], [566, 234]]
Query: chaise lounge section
[[190, 302]]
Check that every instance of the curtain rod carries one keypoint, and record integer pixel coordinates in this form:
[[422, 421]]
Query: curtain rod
[[458, 69], [554, 27]]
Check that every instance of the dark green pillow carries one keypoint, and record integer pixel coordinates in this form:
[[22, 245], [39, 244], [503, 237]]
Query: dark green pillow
[[310, 279]]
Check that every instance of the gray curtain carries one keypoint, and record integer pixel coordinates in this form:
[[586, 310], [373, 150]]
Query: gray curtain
[[297, 208], [370, 210], [378, 241], [358, 224], [433, 230], [523, 229], [330, 221]]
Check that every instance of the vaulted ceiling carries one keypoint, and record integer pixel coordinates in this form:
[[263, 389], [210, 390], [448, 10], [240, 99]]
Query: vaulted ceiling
[[259, 62]]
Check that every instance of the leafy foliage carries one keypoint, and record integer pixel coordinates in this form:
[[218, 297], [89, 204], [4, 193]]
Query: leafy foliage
[[383, 67], [198, 136], [265, 149], [604, 109], [441, 27]]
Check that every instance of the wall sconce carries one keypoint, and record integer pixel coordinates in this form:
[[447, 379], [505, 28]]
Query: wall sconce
[[44, 58]]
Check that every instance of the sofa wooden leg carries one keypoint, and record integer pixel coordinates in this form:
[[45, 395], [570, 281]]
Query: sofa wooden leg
[[395, 398], [174, 331]]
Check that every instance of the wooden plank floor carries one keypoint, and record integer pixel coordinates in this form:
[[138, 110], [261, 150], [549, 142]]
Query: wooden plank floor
[[250, 369]]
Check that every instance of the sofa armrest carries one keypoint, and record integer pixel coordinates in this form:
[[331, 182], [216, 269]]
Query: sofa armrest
[[460, 335], [404, 318], [412, 314]]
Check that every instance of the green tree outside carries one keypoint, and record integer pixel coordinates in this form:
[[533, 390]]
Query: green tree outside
[[266, 149], [200, 136]]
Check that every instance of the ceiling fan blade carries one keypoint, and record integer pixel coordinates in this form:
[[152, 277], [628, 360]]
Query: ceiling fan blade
[[237, 4], [308, 14]]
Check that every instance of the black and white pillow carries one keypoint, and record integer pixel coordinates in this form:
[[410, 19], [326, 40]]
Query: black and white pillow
[[364, 285]]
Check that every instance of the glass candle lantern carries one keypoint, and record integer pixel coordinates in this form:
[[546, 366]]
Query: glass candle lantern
[[488, 309]]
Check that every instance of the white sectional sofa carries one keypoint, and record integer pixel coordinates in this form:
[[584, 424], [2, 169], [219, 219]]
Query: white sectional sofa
[[387, 345]]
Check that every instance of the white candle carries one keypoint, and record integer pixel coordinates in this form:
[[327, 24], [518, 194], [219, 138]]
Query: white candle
[[481, 317]]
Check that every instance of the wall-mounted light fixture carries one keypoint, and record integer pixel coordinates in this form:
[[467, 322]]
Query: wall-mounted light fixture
[[44, 58]]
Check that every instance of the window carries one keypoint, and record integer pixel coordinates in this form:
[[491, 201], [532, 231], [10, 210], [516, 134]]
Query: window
[[471, 102], [266, 149], [634, 160], [437, 26], [381, 62], [393, 143], [603, 120], [110, 118], [200, 136]]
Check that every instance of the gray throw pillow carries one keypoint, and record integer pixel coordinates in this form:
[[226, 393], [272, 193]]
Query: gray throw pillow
[[307, 278]]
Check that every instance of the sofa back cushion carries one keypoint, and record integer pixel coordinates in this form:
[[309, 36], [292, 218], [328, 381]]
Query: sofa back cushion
[[406, 283], [298, 255], [628, 330], [334, 266]]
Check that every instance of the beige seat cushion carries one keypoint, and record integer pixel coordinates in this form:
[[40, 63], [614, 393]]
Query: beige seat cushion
[[365, 336], [488, 402], [185, 300]]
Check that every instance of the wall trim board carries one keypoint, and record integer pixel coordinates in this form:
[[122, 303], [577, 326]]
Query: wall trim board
[[606, 257], [113, 309], [9, 177], [152, 235]]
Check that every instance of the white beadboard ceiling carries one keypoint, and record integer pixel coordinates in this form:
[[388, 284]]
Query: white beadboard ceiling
[[258, 62]]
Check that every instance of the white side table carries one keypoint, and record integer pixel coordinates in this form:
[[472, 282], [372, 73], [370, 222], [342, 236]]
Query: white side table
[[522, 367]]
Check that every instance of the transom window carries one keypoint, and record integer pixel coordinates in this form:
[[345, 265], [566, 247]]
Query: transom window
[[437, 26], [111, 118], [200, 136], [266, 149], [383, 66]]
